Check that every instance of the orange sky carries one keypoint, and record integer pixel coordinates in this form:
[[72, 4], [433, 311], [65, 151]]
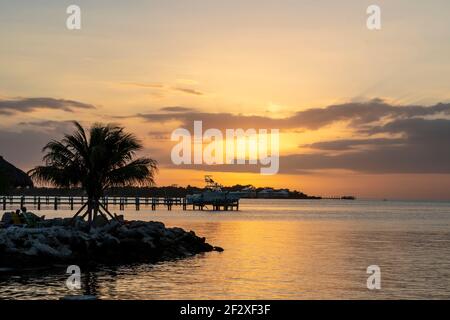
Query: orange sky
[[255, 63]]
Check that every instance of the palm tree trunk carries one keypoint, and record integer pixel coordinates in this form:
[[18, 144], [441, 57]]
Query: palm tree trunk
[[93, 208], [96, 207], [79, 211], [90, 209]]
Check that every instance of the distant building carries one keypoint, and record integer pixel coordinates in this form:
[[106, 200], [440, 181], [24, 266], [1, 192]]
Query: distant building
[[247, 192], [272, 193]]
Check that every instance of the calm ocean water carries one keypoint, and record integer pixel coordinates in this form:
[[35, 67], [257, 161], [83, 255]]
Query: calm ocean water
[[278, 249]]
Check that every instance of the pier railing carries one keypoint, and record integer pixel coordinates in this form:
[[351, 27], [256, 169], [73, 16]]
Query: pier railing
[[71, 203]]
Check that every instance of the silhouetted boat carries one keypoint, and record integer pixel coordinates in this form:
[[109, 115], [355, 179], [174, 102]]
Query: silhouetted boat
[[213, 195]]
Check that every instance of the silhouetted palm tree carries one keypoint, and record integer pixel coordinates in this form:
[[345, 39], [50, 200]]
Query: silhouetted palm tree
[[101, 159]]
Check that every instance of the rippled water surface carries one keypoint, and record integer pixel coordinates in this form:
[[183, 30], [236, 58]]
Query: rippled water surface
[[278, 249]]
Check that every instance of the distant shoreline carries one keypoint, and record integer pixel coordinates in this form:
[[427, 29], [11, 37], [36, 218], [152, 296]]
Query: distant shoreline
[[174, 192]]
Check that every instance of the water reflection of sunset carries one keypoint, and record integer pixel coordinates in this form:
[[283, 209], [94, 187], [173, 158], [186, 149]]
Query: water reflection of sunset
[[275, 249]]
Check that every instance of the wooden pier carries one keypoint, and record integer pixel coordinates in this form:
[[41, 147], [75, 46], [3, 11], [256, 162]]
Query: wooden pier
[[71, 203]]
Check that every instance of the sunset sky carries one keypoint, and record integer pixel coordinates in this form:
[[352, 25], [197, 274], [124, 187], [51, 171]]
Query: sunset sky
[[360, 112]]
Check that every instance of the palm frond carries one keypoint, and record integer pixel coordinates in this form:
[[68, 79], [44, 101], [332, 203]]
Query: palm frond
[[139, 172]]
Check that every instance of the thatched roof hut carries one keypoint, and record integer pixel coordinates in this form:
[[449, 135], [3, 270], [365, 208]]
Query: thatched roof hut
[[14, 176]]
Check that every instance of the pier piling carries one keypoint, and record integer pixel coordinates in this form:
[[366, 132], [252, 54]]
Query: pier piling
[[71, 202]]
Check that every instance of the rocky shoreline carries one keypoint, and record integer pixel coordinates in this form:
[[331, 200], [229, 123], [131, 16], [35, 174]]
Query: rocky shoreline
[[57, 241]]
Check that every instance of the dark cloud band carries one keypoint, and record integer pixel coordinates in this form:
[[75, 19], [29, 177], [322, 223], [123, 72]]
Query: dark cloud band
[[10, 106], [358, 115]]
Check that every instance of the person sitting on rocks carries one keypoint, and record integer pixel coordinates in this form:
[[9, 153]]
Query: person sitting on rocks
[[17, 218], [12, 218], [30, 218]]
